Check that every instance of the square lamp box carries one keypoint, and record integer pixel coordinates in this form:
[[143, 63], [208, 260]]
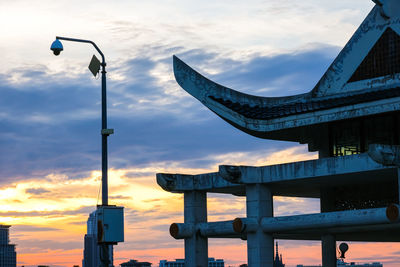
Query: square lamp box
[[110, 224]]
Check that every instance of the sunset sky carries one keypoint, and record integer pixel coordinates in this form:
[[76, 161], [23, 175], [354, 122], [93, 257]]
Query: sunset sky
[[50, 115]]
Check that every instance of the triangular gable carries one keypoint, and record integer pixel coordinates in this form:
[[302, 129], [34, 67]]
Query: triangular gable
[[371, 59], [382, 60]]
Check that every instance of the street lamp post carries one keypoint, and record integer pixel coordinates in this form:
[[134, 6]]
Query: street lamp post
[[57, 47]]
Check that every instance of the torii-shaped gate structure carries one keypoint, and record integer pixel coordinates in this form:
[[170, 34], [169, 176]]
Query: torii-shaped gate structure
[[351, 117]]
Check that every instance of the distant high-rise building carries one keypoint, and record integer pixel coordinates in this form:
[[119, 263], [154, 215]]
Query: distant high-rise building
[[215, 263], [212, 262], [8, 256], [91, 250], [278, 258]]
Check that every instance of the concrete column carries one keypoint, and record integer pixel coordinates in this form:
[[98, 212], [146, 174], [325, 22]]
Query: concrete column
[[196, 246], [398, 185], [328, 250], [260, 245], [328, 242]]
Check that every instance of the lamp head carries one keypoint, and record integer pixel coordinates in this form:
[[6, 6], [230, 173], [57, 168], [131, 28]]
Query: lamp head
[[56, 47], [343, 247]]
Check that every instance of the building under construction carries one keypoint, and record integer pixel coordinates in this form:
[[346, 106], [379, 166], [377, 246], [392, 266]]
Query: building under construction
[[351, 118]]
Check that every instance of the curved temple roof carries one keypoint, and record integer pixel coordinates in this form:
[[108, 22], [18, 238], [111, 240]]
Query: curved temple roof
[[365, 74]]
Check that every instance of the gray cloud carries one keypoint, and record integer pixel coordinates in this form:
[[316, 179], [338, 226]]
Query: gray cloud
[[32, 228], [119, 197], [36, 191], [38, 246], [53, 126], [51, 213]]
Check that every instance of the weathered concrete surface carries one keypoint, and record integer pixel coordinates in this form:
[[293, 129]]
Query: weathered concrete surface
[[331, 220], [326, 170], [302, 179], [335, 80], [210, 182], [195, 211], [328, 222], [223, 229], [260, 245], [387, 155], [182, 230], [328, 240]]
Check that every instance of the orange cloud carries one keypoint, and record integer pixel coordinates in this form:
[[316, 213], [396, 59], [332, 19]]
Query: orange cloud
[[49, 216]]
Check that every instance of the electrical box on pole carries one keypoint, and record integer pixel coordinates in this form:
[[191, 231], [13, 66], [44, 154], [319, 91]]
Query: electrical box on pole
[[110, 224]]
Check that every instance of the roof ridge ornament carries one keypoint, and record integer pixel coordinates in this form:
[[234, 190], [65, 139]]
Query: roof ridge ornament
[[389, 8]]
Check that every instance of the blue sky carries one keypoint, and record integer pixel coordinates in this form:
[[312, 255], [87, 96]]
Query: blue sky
[[50, 106]]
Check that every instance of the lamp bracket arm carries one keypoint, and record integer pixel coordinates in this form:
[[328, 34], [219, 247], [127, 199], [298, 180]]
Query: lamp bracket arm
[[103, 63]]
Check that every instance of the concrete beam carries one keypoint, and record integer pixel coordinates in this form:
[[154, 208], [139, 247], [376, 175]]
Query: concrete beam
[[319, 221], [384, 232], [298, 179], [222, 229], [210, 182], [331, 169], [366, 233], [301, 179], [380, 225], [182, 230]]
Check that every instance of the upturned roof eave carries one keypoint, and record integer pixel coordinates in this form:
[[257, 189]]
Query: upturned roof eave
[[206, 91], [282, 128], [201, 87]]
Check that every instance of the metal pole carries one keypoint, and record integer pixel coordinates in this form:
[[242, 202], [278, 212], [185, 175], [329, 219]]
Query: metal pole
[[105, 261], [104, 150]]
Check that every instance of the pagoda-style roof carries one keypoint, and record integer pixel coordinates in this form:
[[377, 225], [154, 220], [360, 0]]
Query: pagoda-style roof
[[363, 80]]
